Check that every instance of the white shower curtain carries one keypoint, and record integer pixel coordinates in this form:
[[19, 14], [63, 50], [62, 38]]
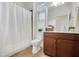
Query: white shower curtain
[[15, 28]]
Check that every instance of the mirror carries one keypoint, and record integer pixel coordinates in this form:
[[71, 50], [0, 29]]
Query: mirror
[[63, 17]]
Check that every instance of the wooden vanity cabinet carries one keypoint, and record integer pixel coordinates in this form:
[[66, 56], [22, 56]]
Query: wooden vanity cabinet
[[50, 46], [65, 48], [61, 44]]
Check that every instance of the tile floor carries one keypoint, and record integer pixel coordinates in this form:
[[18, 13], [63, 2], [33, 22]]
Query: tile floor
[[28, 53]]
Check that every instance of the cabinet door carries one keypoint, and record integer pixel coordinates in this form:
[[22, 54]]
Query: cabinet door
[[49, 46], [65, 48], [76, 52]]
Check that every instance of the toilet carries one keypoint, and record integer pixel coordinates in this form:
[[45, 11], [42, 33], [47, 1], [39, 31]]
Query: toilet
[[36, 45]]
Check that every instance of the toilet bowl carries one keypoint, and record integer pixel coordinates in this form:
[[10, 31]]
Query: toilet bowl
[[36, 45]]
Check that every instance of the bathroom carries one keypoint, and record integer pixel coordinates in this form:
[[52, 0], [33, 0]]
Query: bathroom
[[22, 24]]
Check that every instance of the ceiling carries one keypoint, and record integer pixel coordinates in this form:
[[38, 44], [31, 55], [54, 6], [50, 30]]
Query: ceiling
[[27, 5]]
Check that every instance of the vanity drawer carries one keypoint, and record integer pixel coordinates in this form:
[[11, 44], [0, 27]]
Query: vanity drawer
[[66, 36], [59, 35]]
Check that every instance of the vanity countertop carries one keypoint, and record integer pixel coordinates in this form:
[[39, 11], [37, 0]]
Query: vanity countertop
[[62, 32]]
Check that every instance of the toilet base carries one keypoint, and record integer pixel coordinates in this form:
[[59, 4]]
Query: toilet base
[[35, 50], [36, 46]]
